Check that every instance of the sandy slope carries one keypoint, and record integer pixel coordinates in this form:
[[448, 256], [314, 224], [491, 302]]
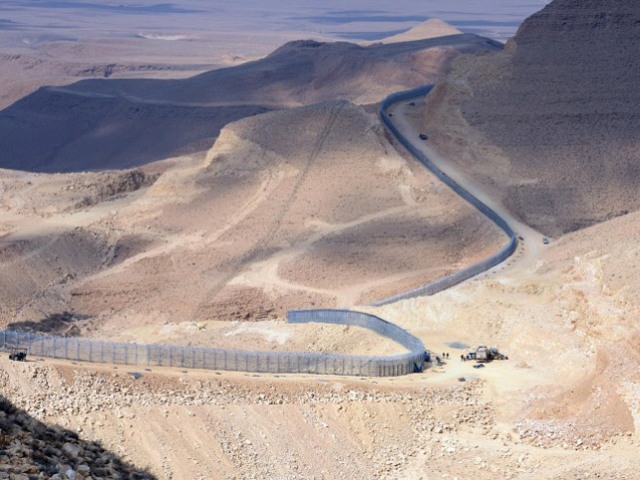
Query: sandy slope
[[220, 236], [123, 123], [433, 27], [292, 209], [564, 406]]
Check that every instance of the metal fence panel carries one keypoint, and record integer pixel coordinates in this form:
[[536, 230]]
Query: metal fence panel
[[87, 350], [472, 270]]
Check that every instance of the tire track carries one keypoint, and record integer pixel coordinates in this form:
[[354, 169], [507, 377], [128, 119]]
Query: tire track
[[263, 242]]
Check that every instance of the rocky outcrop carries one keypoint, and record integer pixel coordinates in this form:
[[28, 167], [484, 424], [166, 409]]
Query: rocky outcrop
[[30, 449], [564, 106]]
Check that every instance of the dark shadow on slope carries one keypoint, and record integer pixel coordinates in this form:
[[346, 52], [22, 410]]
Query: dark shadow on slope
[[29, 448], [65, 324], [112, 124]]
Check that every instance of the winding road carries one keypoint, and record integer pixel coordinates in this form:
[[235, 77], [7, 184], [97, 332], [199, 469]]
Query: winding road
[[528, 242], [519, 254]]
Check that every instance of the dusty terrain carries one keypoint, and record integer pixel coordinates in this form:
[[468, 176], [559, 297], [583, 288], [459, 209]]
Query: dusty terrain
[[123, 123], [564, 406], [294, 209], [551, 125], [314, 206]]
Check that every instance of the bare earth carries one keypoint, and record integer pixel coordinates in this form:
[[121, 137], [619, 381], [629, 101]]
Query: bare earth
[[308, 207], [295, 209]]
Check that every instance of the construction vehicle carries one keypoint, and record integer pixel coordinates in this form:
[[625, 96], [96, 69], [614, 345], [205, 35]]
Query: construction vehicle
[[485, 354], [18, 354]]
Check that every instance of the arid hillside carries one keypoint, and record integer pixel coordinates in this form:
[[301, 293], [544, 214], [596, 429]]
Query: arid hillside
[[116, 123], [433, 27], [552, 124], [564, 406], [297, 208], [32, 449]]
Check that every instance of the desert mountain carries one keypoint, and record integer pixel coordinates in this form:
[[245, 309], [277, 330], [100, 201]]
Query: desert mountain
[[295, 208], [432, 28], [101, 124], [555, 121]]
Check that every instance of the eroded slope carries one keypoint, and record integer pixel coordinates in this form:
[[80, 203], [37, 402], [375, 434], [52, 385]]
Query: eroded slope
[[117, 123], [552, 124]]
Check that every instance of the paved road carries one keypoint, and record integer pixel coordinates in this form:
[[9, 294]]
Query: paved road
[[530, 240]]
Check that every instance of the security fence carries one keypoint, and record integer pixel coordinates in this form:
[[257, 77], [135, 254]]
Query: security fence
[[475, 269], [152, 355]]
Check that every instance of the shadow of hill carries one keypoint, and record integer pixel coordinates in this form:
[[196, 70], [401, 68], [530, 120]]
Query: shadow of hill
[[63, 324], [112, 124], [29, 448]]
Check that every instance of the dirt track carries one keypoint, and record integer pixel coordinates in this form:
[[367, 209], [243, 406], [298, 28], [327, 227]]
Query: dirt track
[[408, 119]]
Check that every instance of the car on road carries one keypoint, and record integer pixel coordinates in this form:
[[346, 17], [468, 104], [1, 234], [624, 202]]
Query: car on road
[[545, 240], [423, 136]]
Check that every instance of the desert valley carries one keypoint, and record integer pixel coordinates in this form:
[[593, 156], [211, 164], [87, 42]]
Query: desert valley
[[188, 184]]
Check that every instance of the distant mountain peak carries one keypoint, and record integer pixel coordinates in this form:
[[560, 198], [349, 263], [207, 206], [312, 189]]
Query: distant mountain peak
[[432, 28]]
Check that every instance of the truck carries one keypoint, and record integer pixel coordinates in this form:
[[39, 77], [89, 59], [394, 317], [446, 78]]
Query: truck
[[18, 354], [485, 354]]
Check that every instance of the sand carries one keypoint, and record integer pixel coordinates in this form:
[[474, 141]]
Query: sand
[[191, 245]]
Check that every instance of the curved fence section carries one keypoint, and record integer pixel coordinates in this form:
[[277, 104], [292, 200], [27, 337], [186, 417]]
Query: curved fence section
[[475, 269], [152, 355]]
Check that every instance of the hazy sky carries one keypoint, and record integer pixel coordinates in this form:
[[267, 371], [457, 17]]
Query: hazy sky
[[347, 18]]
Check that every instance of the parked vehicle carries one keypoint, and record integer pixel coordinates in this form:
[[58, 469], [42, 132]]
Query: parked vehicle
[[18, 354], [486, 354]]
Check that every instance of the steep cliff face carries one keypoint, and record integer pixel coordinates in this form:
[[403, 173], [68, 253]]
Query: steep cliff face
[[564, 106]]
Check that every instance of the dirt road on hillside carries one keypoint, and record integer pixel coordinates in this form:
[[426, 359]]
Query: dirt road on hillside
[[530, 242]]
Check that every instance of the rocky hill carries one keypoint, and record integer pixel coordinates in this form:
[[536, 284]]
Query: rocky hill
[[304, 207], [116, 123], [555, 121], [31, 449]]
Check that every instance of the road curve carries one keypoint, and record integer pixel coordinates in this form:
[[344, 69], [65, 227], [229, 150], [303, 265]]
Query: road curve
[[523, 240]]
